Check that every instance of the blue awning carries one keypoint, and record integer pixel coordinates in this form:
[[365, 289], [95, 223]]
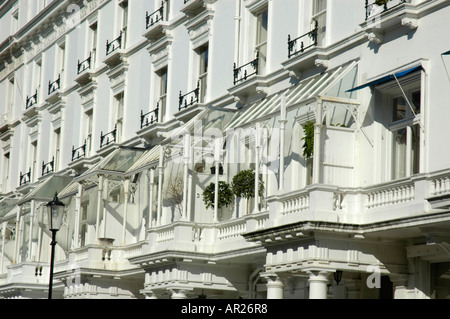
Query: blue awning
[[446, 53], [387, 78]]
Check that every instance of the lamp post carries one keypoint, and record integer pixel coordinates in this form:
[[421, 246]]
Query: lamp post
[[55, 210]]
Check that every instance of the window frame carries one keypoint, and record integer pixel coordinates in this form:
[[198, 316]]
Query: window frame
[[412, 123]]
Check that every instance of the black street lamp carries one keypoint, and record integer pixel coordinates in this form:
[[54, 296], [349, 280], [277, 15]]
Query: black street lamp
[[55, 210]]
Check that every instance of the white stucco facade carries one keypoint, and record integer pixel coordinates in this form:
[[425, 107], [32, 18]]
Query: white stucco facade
[[129, 110]]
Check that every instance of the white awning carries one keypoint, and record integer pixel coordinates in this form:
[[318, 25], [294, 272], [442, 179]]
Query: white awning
[[324, 84]]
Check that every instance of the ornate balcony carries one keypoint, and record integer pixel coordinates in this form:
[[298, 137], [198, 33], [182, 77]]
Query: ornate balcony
[[114, 45], [150, 117], [25, 178], [247, 81], [245, 71], [152, 124], [55, 85], [84, 77], [189, 104], [373, 9], [153, 18], [79, 152], [108, 138], [304, 53], [154, 23], [115, 53], [303, 42], [49, 167], [393, 13], [32, 100]]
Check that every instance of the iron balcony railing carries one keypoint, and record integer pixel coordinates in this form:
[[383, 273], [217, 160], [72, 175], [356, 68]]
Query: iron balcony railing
[[150, 117], [55, 85], [32, 100], [242, 73], [108, 138], [373, 8], [189, 98], [84, 65], [79, 152], [303, 42], [158, 15], [25, 178], [114, 45], [49, 167]]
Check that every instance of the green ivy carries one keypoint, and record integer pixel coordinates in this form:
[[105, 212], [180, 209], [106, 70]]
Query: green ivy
[[225, 195], [308, 138]]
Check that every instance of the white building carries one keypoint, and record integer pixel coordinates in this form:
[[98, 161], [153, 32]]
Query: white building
[[130, 109]]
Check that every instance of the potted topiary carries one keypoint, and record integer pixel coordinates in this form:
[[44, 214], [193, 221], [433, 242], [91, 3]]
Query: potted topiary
[[225, 197], [243, 185]]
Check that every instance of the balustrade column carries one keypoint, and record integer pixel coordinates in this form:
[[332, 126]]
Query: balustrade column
[[76, 227], [99, 204], [318, 284], [125, 211]]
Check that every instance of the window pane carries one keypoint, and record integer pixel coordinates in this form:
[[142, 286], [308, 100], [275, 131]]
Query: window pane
[[415, 150], [399, 153], [319, 5], [416, 101], [399, 108]]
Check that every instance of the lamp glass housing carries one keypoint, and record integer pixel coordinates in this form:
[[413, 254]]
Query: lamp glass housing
[[55, 210]]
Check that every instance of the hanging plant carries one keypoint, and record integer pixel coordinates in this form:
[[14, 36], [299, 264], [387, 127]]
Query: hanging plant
[[225, 195], [381, 2], [308, 138], [243, 185]]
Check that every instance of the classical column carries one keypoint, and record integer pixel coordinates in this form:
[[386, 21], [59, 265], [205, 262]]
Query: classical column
[[76, 227], [160, 182], [125, 211], [257, 150], [274, 287], [216, 182], [151, 177], [16, 241], [30, 239], [282, 122], [2, 257], [408, 166], [317, 144], [186, 157], [104, 201], [99, 205], [318, 284]]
